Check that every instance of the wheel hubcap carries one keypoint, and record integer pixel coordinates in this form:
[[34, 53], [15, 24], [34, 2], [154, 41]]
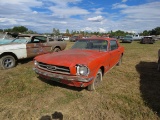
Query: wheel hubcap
[[8, 63]]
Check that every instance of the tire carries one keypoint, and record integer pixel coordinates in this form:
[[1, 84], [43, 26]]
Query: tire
[[56, 49], [7, 62], [120, 61], [96, 81], [158, 67]]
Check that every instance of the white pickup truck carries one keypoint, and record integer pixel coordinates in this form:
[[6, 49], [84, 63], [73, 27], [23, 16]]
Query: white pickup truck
[[27, 46], [137, 37]]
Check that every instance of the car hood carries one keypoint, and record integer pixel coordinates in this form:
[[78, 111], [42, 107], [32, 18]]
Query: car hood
[[70, 57], [5, 41], [6, 47], [127, 38]]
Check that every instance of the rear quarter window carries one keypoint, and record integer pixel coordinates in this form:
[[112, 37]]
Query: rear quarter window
[[113, 45]]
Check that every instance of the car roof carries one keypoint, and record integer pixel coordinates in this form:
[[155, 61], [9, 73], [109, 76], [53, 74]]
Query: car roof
[[30, 35], [147, 36]]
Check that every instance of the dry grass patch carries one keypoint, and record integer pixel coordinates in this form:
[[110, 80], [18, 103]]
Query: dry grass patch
[[129, 91]]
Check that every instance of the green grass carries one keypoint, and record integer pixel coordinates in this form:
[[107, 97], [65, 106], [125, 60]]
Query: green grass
[[128, 92]]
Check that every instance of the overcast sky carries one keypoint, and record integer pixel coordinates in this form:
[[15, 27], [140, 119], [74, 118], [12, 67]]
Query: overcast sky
[[86, 15]]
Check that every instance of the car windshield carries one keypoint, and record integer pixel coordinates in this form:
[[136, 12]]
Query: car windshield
[[91, 44], [6, 36], [21, 39], [128, 37]]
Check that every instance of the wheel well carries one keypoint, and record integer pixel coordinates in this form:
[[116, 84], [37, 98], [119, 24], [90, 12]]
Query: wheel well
[[9, 53], [102, 69], [57, 47], [122, 54]]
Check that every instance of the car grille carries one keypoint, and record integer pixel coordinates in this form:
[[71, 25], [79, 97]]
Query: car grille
[[54, 68]]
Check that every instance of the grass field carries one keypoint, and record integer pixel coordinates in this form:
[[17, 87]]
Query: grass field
[[128, 92]]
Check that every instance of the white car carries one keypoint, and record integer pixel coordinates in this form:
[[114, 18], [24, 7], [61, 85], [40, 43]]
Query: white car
[[65, 38], [27, 46]]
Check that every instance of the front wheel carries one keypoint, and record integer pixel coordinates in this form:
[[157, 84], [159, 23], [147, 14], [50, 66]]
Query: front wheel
[[7, 62], [96, 81]]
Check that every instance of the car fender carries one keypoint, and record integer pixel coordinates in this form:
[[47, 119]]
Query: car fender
[[18, 49]]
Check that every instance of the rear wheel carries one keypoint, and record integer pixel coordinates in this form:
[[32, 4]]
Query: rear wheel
[[56, 49], [96, 81], [7, 62]]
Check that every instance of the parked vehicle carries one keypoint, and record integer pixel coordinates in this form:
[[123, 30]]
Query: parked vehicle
[[73, 38], [147, 40], [120, 37], [157, 37], [137, 37], [58, 38], [83, 65], [27, 46], [65, 38], [6, 38], [76, 37], [127, 39]]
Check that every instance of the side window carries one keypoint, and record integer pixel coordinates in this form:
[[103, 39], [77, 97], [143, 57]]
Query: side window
[[39, 39], [51, 39], [113, 45]]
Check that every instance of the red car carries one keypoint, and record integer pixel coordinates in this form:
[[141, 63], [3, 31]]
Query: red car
[[83, 65]]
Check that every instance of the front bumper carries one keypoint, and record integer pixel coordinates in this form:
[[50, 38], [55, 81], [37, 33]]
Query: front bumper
[[50, 75]]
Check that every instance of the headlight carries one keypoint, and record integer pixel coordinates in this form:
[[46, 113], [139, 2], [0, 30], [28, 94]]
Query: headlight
[[82, 70], [35, 63]]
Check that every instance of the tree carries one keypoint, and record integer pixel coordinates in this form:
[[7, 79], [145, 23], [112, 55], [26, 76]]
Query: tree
[[56, 31], [73, 32], [157, 29], [20, 29], [67, 31], [145, 33], [7, 30], [31, 32]]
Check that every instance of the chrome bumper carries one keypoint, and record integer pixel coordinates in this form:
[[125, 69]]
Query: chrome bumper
[[61, 76]]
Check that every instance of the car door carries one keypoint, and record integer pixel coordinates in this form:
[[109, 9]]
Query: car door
[[114, 53], [44, 45], [38, 45]]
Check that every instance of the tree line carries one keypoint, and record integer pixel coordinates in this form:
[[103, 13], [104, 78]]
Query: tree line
[[23, 29], [18, 29]]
